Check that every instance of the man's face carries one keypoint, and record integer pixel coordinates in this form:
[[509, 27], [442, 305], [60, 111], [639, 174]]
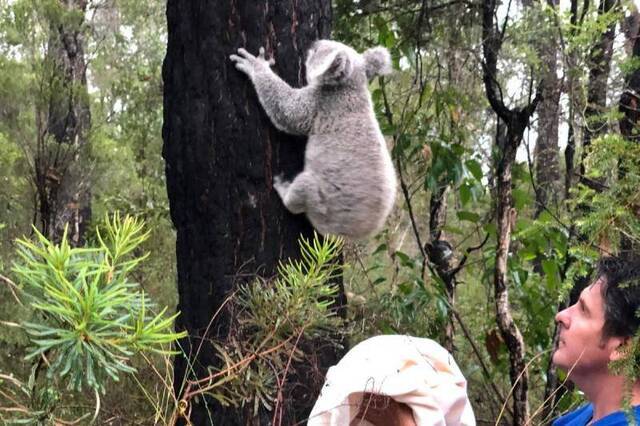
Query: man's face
[[581, 347]]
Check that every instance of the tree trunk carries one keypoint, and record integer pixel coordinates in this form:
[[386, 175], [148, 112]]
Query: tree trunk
[[511, 124], [508, 328], [600, 66], [62, 178], [629, 107], [574, 105], [221, 154], [629, 104], [546, 153], [440, 253], [546, 162]]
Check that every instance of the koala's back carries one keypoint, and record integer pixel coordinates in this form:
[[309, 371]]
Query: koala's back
[[347, 153]]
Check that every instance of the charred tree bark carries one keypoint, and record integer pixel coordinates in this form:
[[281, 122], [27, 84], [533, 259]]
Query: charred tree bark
[[513, 123], [569, 155], [61, 171], [221, 154]]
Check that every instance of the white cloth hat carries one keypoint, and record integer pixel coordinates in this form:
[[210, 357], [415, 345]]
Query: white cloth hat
[[414, 371]]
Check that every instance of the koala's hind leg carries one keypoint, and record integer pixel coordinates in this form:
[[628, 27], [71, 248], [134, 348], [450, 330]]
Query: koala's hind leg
[[302, 194]]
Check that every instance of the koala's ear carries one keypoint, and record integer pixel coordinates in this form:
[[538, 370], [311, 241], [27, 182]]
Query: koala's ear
[[337, 68], [377, 61]]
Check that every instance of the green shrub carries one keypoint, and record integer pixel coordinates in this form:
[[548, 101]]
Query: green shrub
[[89, 318]]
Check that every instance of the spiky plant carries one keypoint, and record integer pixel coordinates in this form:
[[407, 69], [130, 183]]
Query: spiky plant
[[90, 316]]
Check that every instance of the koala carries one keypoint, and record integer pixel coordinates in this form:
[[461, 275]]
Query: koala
[[348, 185]]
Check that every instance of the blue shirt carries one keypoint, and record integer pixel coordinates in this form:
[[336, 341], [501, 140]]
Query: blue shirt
[[581, 416]]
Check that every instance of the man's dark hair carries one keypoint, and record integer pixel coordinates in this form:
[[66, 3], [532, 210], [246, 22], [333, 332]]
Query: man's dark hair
[[621, 294]]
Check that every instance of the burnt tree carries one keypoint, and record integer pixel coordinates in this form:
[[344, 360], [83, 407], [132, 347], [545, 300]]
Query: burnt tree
[[221, 154]]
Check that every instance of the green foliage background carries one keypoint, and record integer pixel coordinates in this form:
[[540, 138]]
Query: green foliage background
[[125, 45], [437, 119]]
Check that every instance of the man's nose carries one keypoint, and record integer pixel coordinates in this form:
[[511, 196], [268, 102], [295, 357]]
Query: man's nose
[[562, 317]]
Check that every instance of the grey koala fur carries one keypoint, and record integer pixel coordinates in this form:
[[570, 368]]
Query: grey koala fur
[[348, 185]]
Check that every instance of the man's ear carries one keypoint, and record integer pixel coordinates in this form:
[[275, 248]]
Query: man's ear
[[621, 347]]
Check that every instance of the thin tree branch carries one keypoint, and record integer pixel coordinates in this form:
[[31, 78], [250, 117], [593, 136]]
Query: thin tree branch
[[12, 288], [469, 250], [403, 186]]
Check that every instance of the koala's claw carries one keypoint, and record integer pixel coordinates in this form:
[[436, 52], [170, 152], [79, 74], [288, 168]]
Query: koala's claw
[[241, 64], [279, 183], [246, 55], [245, 61], [262, 55]]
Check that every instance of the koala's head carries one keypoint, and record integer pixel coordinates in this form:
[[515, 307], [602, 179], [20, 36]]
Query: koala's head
[[332, 63]]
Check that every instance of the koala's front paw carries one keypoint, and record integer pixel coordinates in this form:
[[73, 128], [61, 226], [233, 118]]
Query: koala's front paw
[[247, 63], [262, 56], [280, 185]]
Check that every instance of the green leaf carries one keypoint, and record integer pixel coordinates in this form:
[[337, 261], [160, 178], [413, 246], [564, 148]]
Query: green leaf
[[379, 280], [468, 216], [475, 168], [404, 258], [551, 272], [465, 194]]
